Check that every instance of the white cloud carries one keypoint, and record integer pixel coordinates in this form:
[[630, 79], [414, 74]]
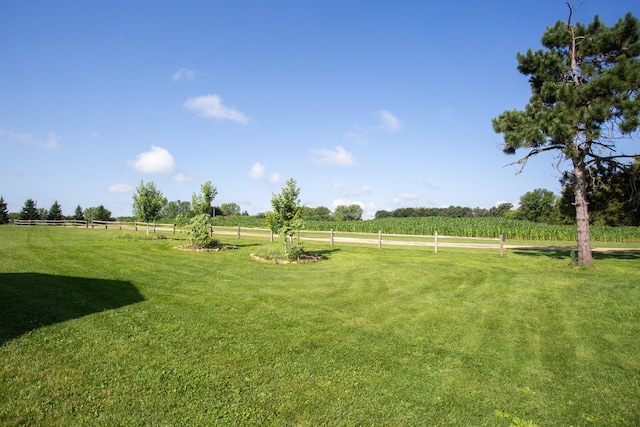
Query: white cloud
[[211, 107], [276, 178], [180, 177], [404, 198], [257, 171], [158, 160], [26, 138], [388, 121], [433, 184], [120, 188], [183, 74], [337, 157]]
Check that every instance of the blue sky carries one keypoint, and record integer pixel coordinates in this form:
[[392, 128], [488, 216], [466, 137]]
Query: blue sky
[[386, 104]]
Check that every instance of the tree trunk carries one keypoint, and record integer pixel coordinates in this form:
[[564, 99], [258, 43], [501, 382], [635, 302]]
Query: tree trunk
[[585, 258]]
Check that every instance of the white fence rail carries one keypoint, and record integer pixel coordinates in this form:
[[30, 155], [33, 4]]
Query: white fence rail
[[332, 237]]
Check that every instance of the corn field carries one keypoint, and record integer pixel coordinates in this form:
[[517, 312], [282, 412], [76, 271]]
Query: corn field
[[487, 227]]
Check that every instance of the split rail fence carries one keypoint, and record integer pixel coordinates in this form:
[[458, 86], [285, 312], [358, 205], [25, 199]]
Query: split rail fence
[[331, 236]]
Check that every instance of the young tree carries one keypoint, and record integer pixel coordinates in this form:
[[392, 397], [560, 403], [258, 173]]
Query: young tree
[[584, 88], [285, 220], [4, 213], [29, 211], [201, 203], [55, 212], [148, 202], [78, 215]]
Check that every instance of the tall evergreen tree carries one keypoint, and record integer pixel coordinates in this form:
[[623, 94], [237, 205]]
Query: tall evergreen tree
[[584, 100], [29, 211], [4, 213], [78, 215], [55, 212]]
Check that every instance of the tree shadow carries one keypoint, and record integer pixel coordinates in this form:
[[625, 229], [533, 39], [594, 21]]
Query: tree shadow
[[31, 300], [631, 254]]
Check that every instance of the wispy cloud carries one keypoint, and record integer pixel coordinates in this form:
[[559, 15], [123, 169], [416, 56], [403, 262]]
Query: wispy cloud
[[211, 107], [276, 179], [158, 161], [365, 189], [183, 74], [401, 198], [257, 170], [337, 157], [50, 142], [120, 188], [388, 121]]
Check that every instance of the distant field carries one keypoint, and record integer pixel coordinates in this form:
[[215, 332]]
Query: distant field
[[464, 227], [108, 327]]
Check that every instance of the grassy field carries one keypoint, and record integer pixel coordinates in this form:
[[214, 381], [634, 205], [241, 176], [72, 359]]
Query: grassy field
[[101, 327]]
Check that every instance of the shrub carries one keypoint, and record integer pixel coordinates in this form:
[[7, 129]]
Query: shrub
[[198, 231]]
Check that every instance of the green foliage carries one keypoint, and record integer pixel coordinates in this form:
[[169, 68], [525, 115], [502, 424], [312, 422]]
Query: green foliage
[[55, 212], [348, 213], [148, 202], [584, 87], [201, 203], [321, 213], [29, 211], [614, 197], [538, 205], [198, 231], [230, 209], [174, 208], [285, 219], [78, 214], [4, 213], [99, 213]]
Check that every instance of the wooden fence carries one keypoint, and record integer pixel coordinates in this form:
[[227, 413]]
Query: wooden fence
[[332, 237]]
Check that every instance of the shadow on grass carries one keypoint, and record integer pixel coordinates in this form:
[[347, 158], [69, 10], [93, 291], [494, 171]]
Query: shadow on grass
[[31, 300], [566, 254]]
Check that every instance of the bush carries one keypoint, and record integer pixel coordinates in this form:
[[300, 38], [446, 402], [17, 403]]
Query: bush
[[198, 231]]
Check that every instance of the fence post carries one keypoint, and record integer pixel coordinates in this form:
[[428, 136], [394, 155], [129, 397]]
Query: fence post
[[174, 228], [332, 237], [379, 239], [210, 230], [154, 228], [121, 225], [238, 231], [135, 225], [501, 245], [271, 236], [436, 242], [106, 225]]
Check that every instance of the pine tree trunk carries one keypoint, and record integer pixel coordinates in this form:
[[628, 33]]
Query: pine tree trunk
[[585, 258]]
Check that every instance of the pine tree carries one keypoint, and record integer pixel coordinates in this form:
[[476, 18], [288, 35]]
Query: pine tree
[[29, 211], [584, 101], [55, 212], [4, 213], [78, 215]]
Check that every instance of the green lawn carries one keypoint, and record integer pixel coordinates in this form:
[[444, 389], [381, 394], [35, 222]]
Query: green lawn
[[105, 327]]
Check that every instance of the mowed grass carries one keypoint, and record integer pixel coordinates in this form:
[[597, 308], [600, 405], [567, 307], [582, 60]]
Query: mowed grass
[[111, 328]]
